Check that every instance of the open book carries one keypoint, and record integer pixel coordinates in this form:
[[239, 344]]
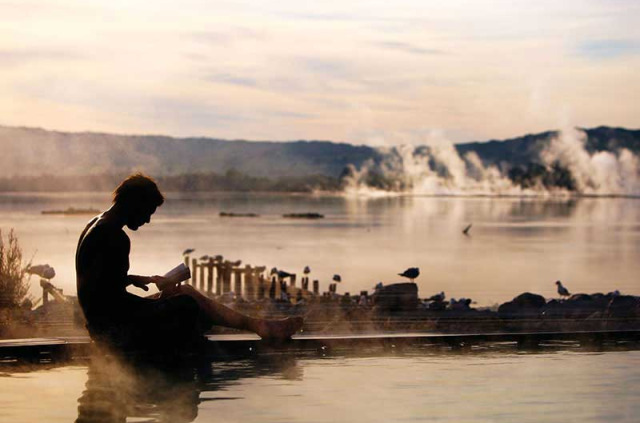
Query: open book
[[175, 276]]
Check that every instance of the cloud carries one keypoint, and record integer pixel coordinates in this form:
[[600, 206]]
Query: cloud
[[608, 49], [408, 48], [227, 78], [227, 36], [291, 115], [27, 56]]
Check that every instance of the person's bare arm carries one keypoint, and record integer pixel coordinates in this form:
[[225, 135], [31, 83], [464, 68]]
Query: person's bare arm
[[142, 281]]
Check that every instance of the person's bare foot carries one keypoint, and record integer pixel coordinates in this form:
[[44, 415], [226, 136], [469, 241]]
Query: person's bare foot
[[279, 329]]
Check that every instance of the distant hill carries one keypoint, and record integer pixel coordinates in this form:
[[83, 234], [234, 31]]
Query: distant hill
[[31, 152], [37, 158], [526, 149]]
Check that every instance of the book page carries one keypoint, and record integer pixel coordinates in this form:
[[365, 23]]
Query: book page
[[175, 276]]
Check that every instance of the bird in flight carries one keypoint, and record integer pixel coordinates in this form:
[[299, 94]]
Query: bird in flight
[[410, 273], [188, 251], [337, 278], [466, 230]]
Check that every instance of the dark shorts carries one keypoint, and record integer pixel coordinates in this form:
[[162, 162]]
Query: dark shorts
[[148, 321]]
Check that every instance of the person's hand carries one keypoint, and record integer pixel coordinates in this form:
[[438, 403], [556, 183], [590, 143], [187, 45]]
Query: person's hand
[[140, 284], [157, 279]]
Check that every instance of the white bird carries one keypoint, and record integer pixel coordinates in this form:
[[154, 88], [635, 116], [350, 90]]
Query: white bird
[[562, 291], [188, 251]]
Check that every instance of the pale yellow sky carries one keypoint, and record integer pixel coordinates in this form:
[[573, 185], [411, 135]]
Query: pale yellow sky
[[372, 72]]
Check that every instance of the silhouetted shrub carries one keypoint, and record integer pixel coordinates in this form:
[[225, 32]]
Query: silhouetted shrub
[[14, 285]]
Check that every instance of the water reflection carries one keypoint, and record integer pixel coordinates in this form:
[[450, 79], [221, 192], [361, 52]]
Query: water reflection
[[119, 388], [356, 383]]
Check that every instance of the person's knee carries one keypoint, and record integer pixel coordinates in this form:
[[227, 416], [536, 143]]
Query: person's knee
[[185, 302], [187, 290]]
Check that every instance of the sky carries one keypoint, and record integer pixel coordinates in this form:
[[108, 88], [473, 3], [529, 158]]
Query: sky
[[365, 72]]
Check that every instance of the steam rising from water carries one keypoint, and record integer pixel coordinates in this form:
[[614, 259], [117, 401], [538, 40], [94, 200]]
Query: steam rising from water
[[438, 169], [599, 173]]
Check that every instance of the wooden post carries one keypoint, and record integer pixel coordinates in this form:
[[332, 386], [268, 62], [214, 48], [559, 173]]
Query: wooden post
[[305, 283], [273, 289], [186, 263], [237, 286], [219, 267], [194, 269], [201, 277], [316, 287], [293, 281], [45, 292], [210, 267], [261, 286], [226, 277], [248, 283]]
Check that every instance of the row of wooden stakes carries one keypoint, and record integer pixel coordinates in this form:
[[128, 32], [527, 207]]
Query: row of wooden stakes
[[216, 276]]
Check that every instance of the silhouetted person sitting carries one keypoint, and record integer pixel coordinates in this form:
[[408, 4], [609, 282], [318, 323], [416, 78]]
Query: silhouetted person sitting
[[102, 266]]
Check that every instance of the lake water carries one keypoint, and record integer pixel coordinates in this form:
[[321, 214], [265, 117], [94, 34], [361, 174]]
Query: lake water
[[423, 385], [515, 244]]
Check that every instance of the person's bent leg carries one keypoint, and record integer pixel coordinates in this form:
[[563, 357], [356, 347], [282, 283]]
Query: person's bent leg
[[224, 316]]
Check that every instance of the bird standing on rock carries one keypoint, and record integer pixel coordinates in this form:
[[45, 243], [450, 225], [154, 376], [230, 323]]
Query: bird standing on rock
[[438, 297], [562, 291], [411, 273]]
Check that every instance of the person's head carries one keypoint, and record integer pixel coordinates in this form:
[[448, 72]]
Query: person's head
[[138, 197]]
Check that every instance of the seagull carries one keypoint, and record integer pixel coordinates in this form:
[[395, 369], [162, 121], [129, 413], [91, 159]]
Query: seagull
[[466, 230], [411, 273], [273, 270], [307, 270], [43, 270], [337, 278], [562, 291], [282, 274], [188, 251], [205, 257], [438, 297]]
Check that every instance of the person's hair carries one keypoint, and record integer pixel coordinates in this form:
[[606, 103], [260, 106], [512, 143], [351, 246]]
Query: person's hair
[[138, 189]]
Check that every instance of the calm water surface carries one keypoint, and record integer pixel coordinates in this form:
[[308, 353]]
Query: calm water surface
[[429, 386], [516, 245]]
